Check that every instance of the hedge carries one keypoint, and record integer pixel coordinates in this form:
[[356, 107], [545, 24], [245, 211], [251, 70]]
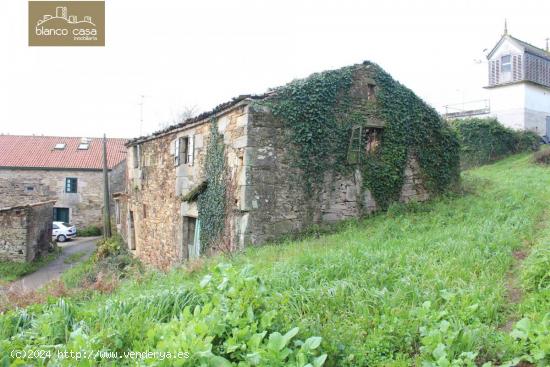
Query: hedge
[[485, 140]]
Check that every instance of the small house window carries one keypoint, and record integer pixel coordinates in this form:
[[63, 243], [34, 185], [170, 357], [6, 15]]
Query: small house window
[[60, 146], [184, 150], [506, 63], [83, 146], [71, 184], [29, 188], [371, 89]]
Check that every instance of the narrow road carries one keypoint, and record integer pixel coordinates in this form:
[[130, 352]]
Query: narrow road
[[54, 269]]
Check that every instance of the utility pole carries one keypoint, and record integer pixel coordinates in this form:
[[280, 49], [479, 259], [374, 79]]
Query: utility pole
[[106, 206]]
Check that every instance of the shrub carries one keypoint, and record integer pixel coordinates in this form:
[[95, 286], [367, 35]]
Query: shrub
[[109, 247], [527, 141], [90, 231], [486, 140], [110, 262], [542, 156]]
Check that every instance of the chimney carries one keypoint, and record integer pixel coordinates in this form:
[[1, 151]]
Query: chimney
[[547, 39]]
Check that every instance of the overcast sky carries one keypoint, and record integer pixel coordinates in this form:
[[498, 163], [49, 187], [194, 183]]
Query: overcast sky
[[202, 53]]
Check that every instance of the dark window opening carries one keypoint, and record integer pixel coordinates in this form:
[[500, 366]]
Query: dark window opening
[[371, 137], [71, 184], [371, 90], [132, 231], [190, 237], [181, 149], [61, 215], [363, 141], [184, 150]]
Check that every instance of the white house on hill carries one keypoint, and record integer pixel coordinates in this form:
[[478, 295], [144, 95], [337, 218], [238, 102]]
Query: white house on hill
[[518, 88]]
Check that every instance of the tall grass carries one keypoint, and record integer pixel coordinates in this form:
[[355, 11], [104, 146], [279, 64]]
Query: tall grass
[[424, 284]]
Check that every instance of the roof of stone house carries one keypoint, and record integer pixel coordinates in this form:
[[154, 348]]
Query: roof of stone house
[[203, 116], [57, 152], [215, 111], [529, 48]]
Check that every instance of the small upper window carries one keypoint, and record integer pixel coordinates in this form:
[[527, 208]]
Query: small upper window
[[29, 188], [506, 63], [371, 89], [60, 146], [83, 146], [184, 150], [71, 185]]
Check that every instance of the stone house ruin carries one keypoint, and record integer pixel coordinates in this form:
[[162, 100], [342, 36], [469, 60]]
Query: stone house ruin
[[337, 145], [64, 169], [25, 231]]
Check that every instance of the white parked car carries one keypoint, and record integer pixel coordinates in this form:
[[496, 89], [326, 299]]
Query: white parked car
[[62, 231]]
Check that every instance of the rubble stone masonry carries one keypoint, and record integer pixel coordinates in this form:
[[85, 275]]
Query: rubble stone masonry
[[265, 197], [28, 186], [25, 231]]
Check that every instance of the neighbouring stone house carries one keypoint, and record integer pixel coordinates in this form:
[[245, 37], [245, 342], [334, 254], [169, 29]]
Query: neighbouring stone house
[[237, 175], [25, 231], [67, 170]]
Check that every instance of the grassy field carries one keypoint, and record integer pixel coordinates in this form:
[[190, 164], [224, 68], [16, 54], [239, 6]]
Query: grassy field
[[461, 281]]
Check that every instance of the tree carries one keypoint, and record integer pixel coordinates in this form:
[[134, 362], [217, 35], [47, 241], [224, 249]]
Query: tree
[[185, 113]]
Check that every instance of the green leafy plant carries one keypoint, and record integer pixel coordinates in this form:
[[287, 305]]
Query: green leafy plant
[[212, 199], [321, 111], [90, 231], [226, 319], [484, 140], [534, 338]]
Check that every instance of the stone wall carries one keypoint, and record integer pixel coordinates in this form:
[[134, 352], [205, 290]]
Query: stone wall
[[156, 186], [32, 185], [25, 231], [265, 199], [275, 199]]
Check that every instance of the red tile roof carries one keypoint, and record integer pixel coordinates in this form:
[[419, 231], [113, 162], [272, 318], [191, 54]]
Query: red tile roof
[[40, 152]]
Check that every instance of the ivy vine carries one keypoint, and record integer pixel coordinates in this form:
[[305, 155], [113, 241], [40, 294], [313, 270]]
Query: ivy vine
[[308, 108], [211, 202], [320, 112], [414, 128]]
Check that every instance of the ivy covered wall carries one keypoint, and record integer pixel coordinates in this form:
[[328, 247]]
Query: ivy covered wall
[[322, 111]]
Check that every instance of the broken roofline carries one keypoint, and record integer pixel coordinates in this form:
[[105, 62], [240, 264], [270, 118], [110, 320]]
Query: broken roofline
[[202, 118], [222, 108]]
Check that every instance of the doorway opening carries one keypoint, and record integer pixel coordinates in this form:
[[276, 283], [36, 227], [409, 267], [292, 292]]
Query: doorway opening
[[191, 237], [131, 231]]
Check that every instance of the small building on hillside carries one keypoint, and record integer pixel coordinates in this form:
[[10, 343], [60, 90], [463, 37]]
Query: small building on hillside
[[25, 231], [67, 170], [336, 145], [518, 87]]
